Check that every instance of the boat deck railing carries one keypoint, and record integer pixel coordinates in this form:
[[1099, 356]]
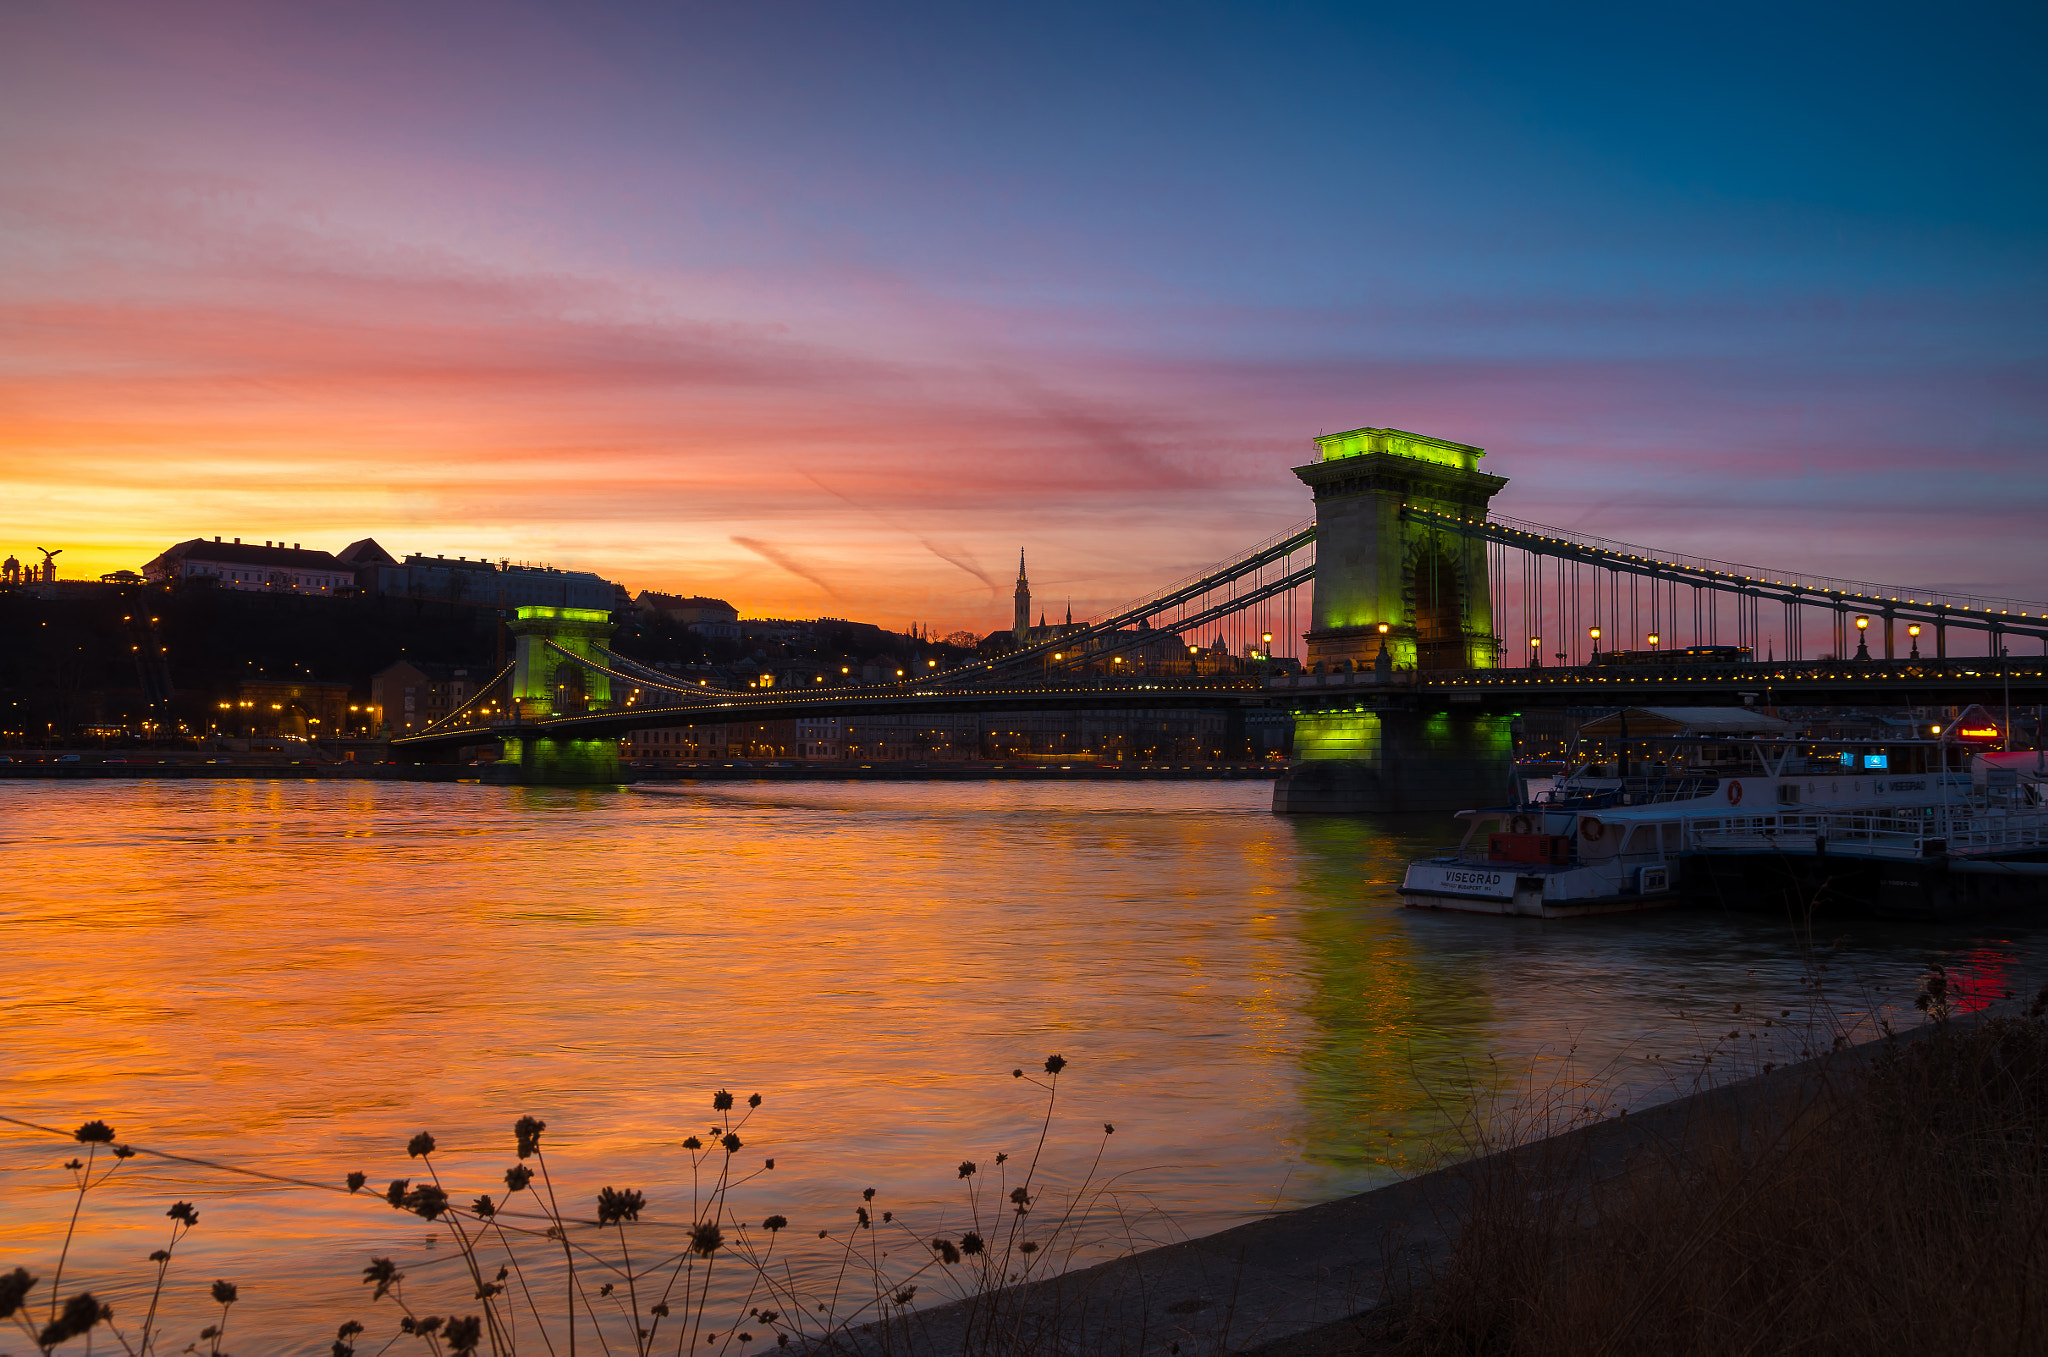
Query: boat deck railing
[[1633, 791], [1892, 832], [1895, 832]]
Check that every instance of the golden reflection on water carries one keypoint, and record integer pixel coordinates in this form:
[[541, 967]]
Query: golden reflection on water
[[300, 975]]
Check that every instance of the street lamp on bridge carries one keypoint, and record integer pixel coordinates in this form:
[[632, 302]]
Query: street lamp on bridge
[[1862, 630], [1913, 630], [1653, 640], [1535, 652], [1593, 635]]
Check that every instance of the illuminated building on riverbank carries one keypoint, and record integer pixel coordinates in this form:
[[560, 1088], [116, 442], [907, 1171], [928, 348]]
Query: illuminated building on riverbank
[[1111, 736]]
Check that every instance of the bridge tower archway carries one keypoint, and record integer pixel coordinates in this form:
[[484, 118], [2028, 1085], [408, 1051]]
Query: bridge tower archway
[[1436, 588], [1374, 567], [569, 693]]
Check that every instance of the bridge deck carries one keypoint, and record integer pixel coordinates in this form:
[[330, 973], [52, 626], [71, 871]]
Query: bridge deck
[[2024, 682]]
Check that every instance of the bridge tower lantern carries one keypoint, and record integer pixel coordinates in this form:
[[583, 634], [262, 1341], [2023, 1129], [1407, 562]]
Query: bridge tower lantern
[[544, 682], [1424, 590]]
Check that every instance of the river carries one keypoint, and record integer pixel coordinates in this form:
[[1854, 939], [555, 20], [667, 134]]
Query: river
[[296, 977]]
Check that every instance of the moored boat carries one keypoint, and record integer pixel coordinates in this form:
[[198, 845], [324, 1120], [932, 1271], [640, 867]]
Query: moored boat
[[1608, 840]]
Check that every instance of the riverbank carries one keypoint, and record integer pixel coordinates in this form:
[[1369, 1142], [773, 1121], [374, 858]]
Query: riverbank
[[1503, 1254], [59, 767]]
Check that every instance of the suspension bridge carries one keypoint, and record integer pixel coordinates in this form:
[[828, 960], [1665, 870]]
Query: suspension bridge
[[1403, 625]]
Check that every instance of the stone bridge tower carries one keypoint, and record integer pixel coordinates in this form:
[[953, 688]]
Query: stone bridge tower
[[1373, 569], [1368, 747], [544, 684]]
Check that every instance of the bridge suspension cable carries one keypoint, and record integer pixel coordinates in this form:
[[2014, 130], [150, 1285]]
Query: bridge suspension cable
[[1101, 639], [661, 685], [453, 720], [1635, 596]]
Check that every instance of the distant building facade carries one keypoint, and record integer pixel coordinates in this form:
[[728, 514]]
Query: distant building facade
[[308, 709], [411, 695], [486, 584], [270, 568], [712, 618], [1166, 735]]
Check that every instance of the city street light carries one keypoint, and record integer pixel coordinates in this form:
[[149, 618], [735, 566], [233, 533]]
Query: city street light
[[1535, 652], [1653, 640], [1913, 630], [1862, 631]]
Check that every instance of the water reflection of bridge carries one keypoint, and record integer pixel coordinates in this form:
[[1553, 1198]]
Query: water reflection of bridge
[[1429, 622]]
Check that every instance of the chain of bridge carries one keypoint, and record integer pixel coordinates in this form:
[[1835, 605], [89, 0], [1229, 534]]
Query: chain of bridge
[[1118, 633], [1999, 616]]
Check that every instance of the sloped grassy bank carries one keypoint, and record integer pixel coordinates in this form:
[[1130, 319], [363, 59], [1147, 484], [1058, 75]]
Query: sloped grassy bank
[[1889, 1198], [1884, 1198]]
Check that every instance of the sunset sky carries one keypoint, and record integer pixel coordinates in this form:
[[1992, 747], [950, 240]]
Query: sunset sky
[[831, 308]]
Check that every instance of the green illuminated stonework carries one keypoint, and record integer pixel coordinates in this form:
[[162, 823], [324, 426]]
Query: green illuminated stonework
[[1428, 588], [1352, 762], [561, 763], [1398, 443], [546, 683], [1337, 735]]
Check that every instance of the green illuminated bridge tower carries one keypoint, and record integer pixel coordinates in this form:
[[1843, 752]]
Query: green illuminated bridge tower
[[1394, 594], [555, 672], [1380, 575]]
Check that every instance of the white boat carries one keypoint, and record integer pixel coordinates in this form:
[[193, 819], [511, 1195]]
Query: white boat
[[1979, 850], [1591, 843]]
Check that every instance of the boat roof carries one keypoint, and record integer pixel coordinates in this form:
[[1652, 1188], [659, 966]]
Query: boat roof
[[1651, 722]]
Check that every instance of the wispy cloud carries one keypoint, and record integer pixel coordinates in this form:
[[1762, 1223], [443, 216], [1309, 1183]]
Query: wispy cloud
[[778, 557], [258, 288]]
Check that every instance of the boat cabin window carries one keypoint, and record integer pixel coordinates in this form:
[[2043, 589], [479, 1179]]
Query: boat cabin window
[[1865, 758], [1641, 839]]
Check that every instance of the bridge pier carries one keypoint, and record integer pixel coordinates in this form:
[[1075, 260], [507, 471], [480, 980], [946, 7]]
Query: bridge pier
[[1395, 759], [544, 762]]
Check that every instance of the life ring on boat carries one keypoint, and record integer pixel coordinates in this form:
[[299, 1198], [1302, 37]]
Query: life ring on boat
[[1591, 829], [1521, 824], [1734, 793]]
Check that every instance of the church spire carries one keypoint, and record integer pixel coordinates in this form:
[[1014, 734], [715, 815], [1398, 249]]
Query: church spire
[[1022, 629]]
